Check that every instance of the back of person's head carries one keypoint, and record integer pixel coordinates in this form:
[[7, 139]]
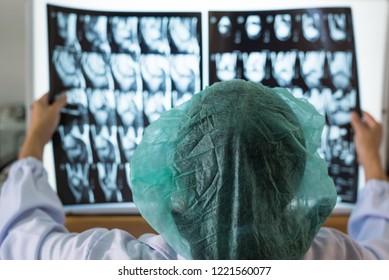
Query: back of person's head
[[232, 174]]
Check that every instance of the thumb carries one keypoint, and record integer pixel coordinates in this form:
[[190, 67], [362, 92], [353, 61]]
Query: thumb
[[356, 121], [60, 102], [369, 120]]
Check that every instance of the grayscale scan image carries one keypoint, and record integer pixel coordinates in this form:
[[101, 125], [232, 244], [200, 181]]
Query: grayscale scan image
[[121, 71], [309, 51]]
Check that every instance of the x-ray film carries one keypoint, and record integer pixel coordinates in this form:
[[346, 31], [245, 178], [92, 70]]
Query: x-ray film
[[121, 71], [309, 51]]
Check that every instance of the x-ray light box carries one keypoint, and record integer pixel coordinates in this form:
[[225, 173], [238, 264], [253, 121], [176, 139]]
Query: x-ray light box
[[123, 63]]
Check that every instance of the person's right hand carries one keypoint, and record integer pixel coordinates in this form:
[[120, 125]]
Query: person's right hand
[[45, 118], [368, 135]]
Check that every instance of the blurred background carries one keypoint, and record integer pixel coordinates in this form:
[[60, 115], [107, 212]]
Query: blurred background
[[12, 54], [12, 78]]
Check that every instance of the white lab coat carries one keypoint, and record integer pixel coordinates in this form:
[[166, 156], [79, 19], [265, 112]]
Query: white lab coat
[[32, 218]]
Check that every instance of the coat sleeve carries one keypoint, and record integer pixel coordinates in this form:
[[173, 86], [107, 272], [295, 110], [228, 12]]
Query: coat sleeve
[[29, 211], [32, 225], [368, 229], [369, 221]]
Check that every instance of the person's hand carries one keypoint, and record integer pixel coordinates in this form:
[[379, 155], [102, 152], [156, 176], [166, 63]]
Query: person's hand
[[44, 120], [368, 135]]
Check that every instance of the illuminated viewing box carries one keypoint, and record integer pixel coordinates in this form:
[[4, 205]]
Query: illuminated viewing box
[[124, 63]]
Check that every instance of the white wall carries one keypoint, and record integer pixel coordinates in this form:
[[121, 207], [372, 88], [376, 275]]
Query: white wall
[[12, 51]]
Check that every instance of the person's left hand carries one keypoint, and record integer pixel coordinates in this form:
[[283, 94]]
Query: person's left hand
[[44, 120]]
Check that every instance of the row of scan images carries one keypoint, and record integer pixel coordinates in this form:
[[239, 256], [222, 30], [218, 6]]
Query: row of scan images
[[181, 73], [282, 26], [312, 66], [110, 108], [94, 183], [179, 34], [111, 178], [151, 73], [128, 34], [90, 144]]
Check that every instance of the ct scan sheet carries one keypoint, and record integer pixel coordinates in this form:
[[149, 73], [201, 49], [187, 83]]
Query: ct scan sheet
[[121, 72], [309, 51]]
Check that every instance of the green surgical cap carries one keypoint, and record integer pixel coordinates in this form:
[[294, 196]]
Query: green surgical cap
[[234, 173]]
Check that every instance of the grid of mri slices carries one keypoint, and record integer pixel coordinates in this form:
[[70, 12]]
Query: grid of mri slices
[[121, 72], [309, 51]]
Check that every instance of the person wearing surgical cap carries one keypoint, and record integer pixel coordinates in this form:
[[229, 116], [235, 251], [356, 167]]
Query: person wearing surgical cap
[[233, 173], [225, 188]]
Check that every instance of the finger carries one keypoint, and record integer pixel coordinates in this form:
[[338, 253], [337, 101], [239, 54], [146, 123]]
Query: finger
[[44, 99], [356, 121], [369, 120], [60, 102]]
